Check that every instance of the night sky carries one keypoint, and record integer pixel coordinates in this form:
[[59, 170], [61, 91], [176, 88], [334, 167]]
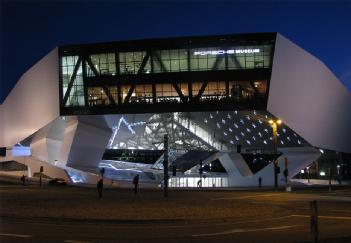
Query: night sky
[[30, 29]]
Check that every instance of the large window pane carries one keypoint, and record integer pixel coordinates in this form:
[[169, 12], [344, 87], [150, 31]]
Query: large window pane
[[104, 63], [76, 93], [130, 62], [203, 59], [166, 93], [170, 61], [143, 93], [248, 57]]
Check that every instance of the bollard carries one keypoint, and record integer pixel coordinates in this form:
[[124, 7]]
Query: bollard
[[41, 173], [330, 177], [314, 220], [165, 165]]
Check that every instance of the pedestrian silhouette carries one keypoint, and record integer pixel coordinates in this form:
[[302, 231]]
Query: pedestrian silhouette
[[23, 179], [259, 181], [286, 173], [99, 186], [199, 183], [136, 183]]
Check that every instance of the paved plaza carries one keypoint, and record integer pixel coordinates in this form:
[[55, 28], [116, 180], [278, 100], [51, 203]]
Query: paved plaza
[[75, 214]]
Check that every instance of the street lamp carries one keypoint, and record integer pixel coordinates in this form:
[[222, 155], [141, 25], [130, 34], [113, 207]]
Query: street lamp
[[274, 124]]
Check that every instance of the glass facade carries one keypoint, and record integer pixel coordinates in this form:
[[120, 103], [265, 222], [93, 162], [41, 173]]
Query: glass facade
[[236, 91], [143, 93], [198, 59], [166, 92], [100, 96], [104, 64], [170, 61], [117, 76], [130, 63], [196, 181], [72, 81]]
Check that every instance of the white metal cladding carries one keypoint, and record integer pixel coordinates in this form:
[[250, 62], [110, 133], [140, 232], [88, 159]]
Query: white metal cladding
[[33, 102], [308, 97]]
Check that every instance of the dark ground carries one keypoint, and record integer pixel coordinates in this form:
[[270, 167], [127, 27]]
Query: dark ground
[[74, 214]]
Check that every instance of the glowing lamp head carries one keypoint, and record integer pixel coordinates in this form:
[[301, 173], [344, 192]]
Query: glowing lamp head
[[271, 122], [279, 121]]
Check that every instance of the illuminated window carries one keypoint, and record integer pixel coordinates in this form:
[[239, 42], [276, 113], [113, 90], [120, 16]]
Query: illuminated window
[[130, 62], [105, 64], [143, 93], [202, 59], [76, 95], [170, 61], [97, 96]]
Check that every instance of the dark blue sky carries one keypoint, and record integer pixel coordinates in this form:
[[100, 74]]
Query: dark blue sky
[[30, 29]]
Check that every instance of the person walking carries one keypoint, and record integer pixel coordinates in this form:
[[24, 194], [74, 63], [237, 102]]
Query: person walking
[[260, 181], [100, 186], [23, 179], [136, 184]]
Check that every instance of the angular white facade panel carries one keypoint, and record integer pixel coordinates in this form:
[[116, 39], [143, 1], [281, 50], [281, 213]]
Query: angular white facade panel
[[91, 137], [68, 136], [298, 158], [32, 103], [308, 97], [46, 143], [34, 166]]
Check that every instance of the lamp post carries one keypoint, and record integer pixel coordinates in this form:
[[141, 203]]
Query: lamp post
[[165, 165], [274, 124]]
